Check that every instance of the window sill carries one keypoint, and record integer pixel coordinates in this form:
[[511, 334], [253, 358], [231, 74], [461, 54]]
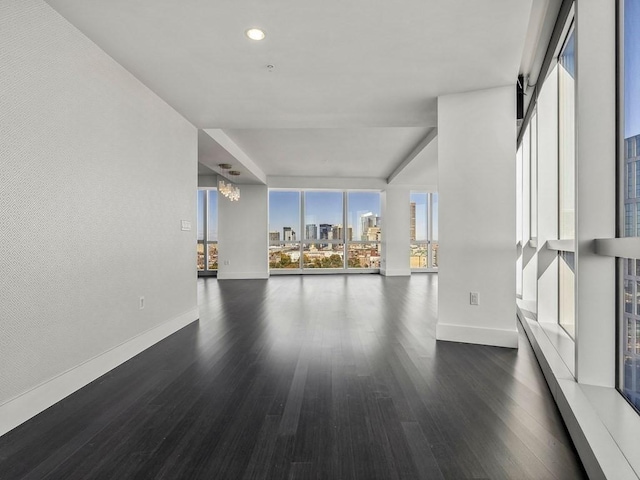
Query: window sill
[[603, 426]]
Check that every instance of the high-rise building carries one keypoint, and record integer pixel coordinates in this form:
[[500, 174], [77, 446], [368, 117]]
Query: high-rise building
[[288, 234], [337, 232], [367, 221], [373, 234], [325, 228], [311, 231], [412, 228], [274, 236]]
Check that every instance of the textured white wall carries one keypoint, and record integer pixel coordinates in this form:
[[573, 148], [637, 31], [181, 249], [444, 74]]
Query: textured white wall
[[396, 216], [477, 216], [96, 173], [242, 234]]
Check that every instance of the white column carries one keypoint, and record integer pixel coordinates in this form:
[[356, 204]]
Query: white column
[[477, 195], [595, 190], [243, 234], [395, 232]]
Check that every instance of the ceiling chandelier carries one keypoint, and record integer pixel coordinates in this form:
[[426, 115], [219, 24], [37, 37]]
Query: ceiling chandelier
[[229, 189]]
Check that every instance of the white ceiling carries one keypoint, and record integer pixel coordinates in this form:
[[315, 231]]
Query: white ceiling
[[354, 85]]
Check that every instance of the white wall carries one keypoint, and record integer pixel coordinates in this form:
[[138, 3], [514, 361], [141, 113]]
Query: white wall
[[595, 217], [476, 157], [96, 174], [395, 234], [242, 234]]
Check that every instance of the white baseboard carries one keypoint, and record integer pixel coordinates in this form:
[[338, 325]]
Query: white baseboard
[[482, 336], [242, 275], [27, 405], [395, 272]]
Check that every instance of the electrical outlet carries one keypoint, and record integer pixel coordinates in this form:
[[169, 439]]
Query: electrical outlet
[[141, 303], [227, 262], [474, 298]]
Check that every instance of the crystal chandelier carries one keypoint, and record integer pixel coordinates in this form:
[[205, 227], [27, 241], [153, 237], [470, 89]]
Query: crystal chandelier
[[228, 189]]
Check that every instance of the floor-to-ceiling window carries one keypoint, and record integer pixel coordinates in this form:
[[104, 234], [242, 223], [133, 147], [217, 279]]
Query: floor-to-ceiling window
[[207, 219], [364, 229], [566, 182], [423, 231], [324, 230], [284, 230], [324, 217], [629, 196]]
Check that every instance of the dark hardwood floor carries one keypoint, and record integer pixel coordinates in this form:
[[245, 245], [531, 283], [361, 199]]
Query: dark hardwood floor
[[335, 377]]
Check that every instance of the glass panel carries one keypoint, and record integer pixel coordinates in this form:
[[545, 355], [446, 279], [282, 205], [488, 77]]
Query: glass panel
[[418, 205], [212, 220], [213, 256], [284, 216], [200, 261], [533, 204], [284, 256], [628, 296], [200, 213], [363, 255], [363, 217], [566, 76], [434, 231], [419, 255], [324, 215], [327, 256], [566, 298]]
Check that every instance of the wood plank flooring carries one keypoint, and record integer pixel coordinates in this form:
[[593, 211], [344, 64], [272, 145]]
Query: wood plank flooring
[[315, 377]]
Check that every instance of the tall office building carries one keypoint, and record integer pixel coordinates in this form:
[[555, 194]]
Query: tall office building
[[288, 234], [337, 232], [311, 231], [368, 221]]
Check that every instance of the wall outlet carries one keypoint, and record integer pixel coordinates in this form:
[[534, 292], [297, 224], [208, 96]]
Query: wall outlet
[[474, 298], [227, 262], [141, 304]]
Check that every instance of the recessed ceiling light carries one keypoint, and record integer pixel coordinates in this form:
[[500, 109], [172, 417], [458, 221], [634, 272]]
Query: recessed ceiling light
[[255, 34]]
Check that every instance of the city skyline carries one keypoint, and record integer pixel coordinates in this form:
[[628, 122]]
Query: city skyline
[[284, 211]]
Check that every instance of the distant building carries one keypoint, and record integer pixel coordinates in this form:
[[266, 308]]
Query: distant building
[[373, 234], [368, 221], [311, 231], [274, 236], [288, 234], [326, 232], [337, 232], [325, 228]]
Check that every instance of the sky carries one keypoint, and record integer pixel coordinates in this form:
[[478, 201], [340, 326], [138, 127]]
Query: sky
[[631, 68]]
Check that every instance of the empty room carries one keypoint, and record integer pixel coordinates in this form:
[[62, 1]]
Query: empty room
[[330, 240]]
